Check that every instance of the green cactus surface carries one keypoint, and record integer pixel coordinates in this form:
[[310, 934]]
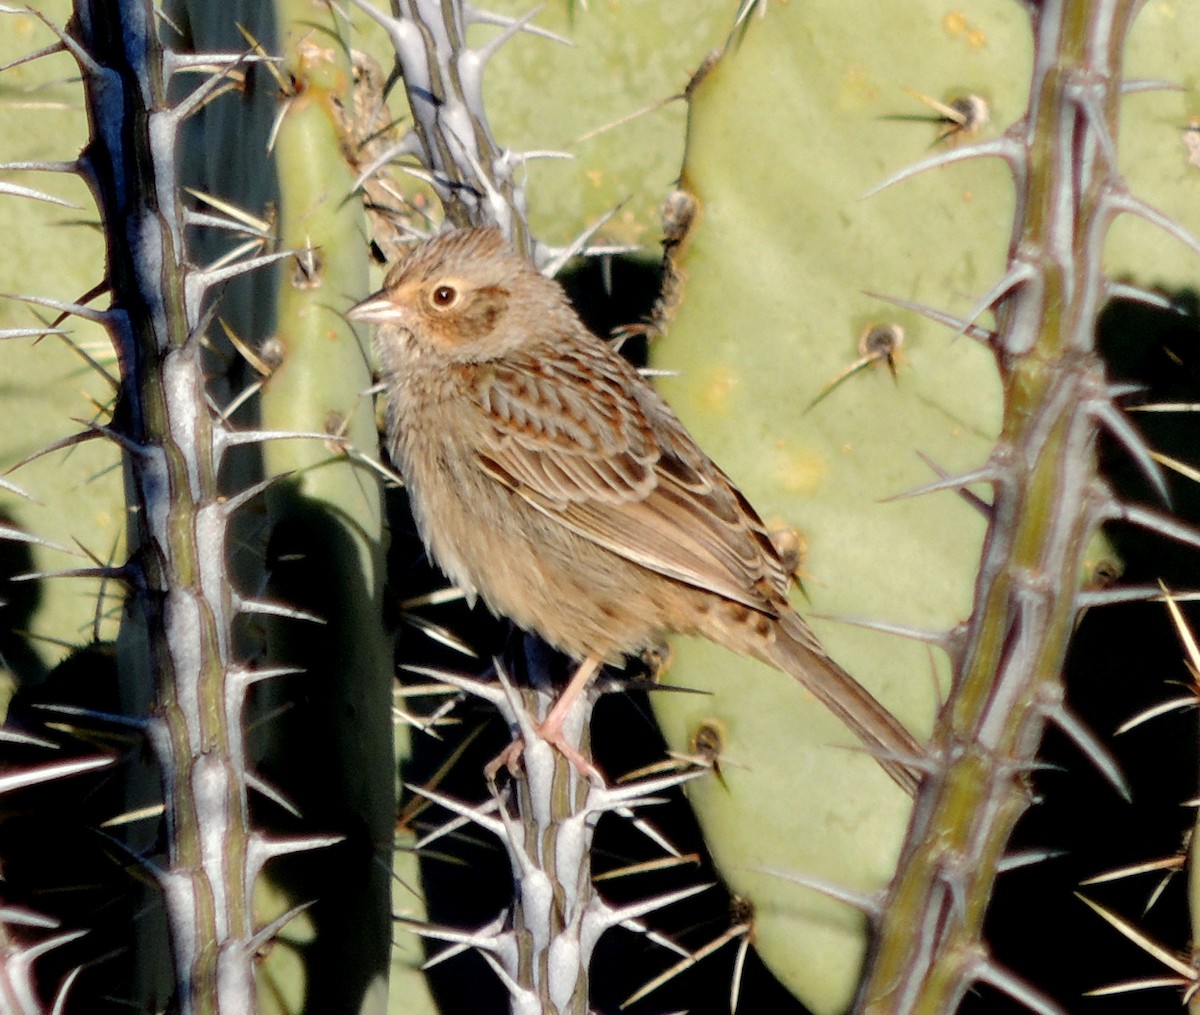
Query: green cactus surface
[[800, 117]]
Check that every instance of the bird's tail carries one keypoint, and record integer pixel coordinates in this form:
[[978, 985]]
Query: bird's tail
[[797, 651]]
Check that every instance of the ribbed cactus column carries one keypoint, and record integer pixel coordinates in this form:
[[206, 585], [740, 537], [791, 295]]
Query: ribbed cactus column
[[177, 644], [1048, 501], [177, 638]]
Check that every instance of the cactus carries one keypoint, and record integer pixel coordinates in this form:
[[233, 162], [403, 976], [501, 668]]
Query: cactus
[[232, 741]]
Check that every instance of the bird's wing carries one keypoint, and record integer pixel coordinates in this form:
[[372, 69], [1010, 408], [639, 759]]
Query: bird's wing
[[579, 436]]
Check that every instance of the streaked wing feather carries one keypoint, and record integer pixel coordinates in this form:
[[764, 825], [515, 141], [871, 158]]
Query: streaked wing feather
[[623, 474]]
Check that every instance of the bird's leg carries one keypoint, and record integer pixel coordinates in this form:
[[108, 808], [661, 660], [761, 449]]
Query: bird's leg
[[551, 729]]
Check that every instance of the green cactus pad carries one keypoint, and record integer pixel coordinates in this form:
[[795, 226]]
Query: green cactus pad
[[624, 59], [786, 134]]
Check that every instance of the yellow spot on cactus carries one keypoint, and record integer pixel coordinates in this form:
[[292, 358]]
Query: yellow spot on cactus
[[799, 471], [596, 176], [954, 23], [718, 387]]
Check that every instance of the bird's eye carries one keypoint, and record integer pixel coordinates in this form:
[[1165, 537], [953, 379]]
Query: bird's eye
[[444, 297]]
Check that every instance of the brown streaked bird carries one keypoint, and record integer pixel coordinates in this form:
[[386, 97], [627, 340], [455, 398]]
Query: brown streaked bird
[[550, 480]]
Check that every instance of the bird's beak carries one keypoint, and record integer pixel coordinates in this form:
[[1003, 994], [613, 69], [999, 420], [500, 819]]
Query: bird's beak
[[376, 309]]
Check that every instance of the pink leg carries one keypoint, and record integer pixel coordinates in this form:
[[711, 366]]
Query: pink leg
[[551, 728]]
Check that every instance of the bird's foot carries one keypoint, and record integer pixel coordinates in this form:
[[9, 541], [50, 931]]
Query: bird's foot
[[510, 757]]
